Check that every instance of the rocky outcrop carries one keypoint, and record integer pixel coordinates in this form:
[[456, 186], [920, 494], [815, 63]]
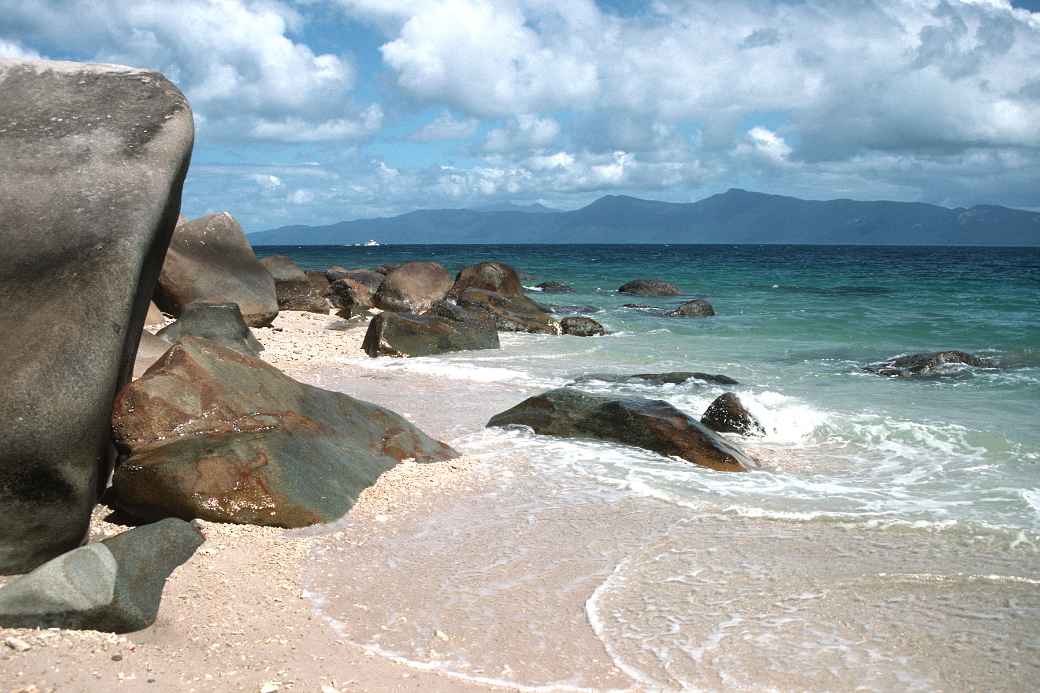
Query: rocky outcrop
[[114, 586], [510, 313], [926, 365], [218, 322], [293, 287], [646, 423], [489, 276], [697, 308], [727, 414], [670, 378], [319, 284], [353, 292], [92, 164], [335, 272], [649, 287], [444, 328], [582, 327], [212, 433], [210, 261], [150, 348], [413, 288], [555, 288]]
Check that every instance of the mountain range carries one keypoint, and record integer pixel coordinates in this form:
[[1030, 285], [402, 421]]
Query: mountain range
[[733, 217]]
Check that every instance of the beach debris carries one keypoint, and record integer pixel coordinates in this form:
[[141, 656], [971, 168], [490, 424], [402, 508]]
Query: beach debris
[[17, 644], [646, 423], [113, 586], [87, 206], [727, 414], [210, 261], [215, 434]]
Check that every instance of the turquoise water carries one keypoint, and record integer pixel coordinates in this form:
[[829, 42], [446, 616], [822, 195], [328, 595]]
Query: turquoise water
[[891, 517]]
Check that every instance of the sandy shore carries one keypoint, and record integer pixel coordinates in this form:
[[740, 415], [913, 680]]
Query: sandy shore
[[235, 617]]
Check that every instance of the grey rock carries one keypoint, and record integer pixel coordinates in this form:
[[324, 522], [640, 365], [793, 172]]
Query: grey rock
[[413, 288], [92, 164], [353, 292], [489, 276], [444, 328], [646, 423], [114, 586], [727, 414], [697, 308], [293, 287], [582, 327], [218, 322], [510, 313], [649, 287], [210, 261], [555, 288], [927, 365]]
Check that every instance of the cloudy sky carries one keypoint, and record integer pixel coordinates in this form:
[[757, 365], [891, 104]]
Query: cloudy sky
[[317, 111]]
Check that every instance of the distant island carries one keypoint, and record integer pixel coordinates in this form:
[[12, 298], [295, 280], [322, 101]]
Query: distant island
[[735, 216]]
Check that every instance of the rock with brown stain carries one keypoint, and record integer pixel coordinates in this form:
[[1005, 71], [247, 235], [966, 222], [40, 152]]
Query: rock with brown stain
[[651, 424], [413, 288], [510, 313], [489, 276], [215, 434]]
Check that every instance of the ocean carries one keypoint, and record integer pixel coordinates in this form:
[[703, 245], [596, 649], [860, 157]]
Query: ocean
[[889, 541]]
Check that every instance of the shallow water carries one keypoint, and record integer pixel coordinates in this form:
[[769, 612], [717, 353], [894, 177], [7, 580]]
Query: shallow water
[[890, 540]]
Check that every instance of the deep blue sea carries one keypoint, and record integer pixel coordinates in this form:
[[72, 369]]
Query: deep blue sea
[[918, 501]]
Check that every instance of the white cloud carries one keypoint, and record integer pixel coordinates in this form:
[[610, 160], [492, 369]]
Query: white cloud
[[524, 131], [299, 130], [445, 127], [11, 49], [765, 145], [265, 180], [301, 197]]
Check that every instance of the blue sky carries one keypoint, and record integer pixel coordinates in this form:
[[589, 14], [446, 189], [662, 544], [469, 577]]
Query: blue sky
[[317, 111]]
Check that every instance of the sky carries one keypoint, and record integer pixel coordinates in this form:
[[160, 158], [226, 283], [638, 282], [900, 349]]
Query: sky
[[317, 111]]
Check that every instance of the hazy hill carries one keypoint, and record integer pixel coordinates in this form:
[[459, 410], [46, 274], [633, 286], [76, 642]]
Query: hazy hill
[[736, 216]]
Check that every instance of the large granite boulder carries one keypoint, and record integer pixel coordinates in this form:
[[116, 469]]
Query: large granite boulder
[[697, 308], [649, 287], [927, 365], [445, 327], [413, 288], [489, 276], [218, 322], [582, 327], [669, 378], [113, 586], [646, 423], [149, 350], [293, 287], [510, 313], [353, 291], [213, 433], [92, 160], [210, 261], [727, 414]]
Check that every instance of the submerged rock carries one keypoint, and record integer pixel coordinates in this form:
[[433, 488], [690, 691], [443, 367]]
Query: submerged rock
[[293, 287], [727, 414], [582, 327], [697, 308], [219, 322], [114, 586], [92, 161], [649, 287], [489, 276], [213, 433], [930, 364], [510, 313], [557, 310], [210, 261], [444, 328], [413, 288], [671, 378], [555, 288], [646, 423]]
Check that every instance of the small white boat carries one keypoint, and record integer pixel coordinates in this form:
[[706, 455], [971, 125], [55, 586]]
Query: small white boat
[[370, 244]]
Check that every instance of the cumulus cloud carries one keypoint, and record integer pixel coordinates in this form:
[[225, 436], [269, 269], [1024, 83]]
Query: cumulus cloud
[[524, 131], [445, 127], [11, 49]]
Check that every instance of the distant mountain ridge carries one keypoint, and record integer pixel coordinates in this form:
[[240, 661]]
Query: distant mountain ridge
[[733, 217]]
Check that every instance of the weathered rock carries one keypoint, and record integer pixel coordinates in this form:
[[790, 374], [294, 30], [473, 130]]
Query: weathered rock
[[649, 287], [114, 586], [293, 287], [582, 327], [444, 328], [555, 288], [646, 423], [210, 261], [413, 288], [930, 364], [154, 316], [697, 308], [510, 313], [388, 267], [489, 276], [218, 322], [727, 414], [353, 292], [335, 272], [92, 160], [671, 378], [150, 348], [212, 433], [319, 283]]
